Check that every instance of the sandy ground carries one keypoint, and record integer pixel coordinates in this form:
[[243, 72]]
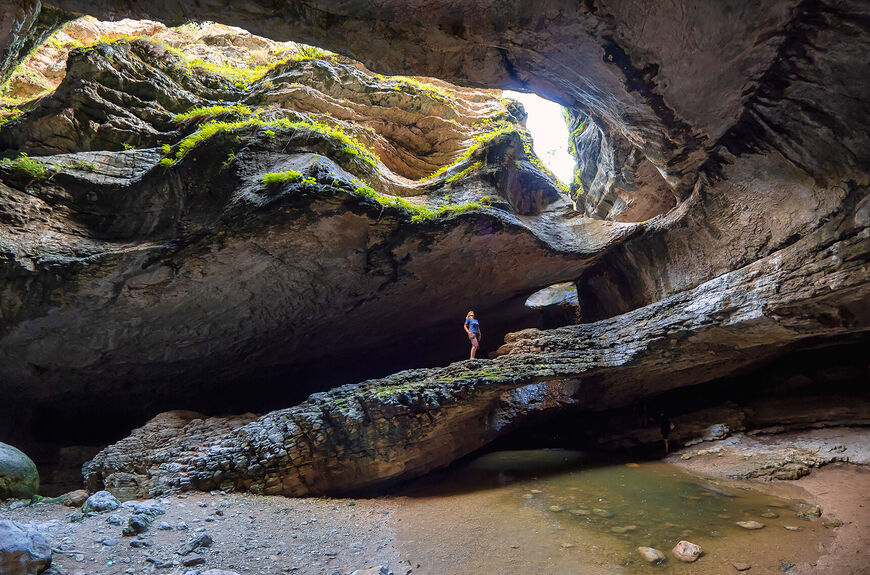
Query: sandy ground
[[437, 534]]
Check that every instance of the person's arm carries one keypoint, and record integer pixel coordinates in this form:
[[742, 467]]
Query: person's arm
[[465, 327]]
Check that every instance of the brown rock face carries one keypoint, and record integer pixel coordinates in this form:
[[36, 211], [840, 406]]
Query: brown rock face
[[734, 135]]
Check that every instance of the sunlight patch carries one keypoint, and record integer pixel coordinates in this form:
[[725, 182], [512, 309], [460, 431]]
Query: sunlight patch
[[550, 134]]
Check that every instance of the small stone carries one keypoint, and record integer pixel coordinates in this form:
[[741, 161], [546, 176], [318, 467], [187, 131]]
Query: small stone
[[651, 555], [769, 515], [114, 520], [198, 542], [793, 528], [832, 523], [751, 524], [617, 529], [109, 542], [579, 511], [75, 498], [602, 513], [629, 528], [139, 543], [164, 526], [556, 508], [535, 491], [742, 566], [99, 502], [687, 552], [138, 523], [192, 560], [567, 545], [181, 526], [808, 512]]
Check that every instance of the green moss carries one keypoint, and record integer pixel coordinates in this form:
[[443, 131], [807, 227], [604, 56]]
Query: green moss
[[464, 173], [350, 145], [418, 212], [493, 129], [274, 178], [212, 111]]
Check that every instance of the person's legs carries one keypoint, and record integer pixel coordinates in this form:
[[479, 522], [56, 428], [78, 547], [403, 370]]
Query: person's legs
[[474, 347]]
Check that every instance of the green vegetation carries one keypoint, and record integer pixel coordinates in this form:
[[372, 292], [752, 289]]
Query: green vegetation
[[28, 165], [212, 111], [81, 165], [351, 145], [494, 129], [414, 86], [464, 173], [274, 178], [165, 148], [418, 212]]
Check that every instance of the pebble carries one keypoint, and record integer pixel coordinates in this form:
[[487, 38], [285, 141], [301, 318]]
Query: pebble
[[556, 508], [535, 491], [651, 555], [114, 520], [742, 566], [181, 526], [139, 543], [751, 524], [602, 513], [770, 515], [687, 551], [164, 526], [192, 560], [579, 511], [793, 527]]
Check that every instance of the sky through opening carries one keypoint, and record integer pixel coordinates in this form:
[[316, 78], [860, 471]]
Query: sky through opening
[[549, 133]]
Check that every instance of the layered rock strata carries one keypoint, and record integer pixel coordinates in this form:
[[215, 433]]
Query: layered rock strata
[[359, 436], [262, 209]]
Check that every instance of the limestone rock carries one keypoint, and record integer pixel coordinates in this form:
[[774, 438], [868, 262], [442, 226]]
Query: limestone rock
[[23, 551], [750, 525], [651, 555], [75, 498], [99, 502], [687, 552], [18, 476]]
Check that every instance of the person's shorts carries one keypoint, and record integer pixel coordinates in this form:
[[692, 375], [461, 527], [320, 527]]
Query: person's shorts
[[473, 337]]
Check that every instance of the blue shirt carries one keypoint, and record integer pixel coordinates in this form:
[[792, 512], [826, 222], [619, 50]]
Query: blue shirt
[[472, 325]]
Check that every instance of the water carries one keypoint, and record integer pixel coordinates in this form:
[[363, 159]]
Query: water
[[553, 509]]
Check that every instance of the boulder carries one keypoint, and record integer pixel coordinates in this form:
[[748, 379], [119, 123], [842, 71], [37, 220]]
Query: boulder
[[687, 552], [99, 502], [23, 550], [19, 478]]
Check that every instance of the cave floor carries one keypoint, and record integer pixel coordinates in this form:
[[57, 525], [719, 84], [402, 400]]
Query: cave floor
[[429, 529]]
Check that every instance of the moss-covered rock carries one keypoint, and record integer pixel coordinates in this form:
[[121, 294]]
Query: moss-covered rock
[[19, 478]]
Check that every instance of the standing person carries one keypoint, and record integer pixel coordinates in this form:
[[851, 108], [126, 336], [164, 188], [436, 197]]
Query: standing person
[[666, 426], [472, 328]]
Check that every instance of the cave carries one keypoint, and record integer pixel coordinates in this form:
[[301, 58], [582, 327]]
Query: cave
[[239, 240]]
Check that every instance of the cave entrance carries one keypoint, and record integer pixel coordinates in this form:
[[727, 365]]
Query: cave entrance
[[551, 136]]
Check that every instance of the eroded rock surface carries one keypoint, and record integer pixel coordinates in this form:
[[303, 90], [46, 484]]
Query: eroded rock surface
[[364, 435]]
